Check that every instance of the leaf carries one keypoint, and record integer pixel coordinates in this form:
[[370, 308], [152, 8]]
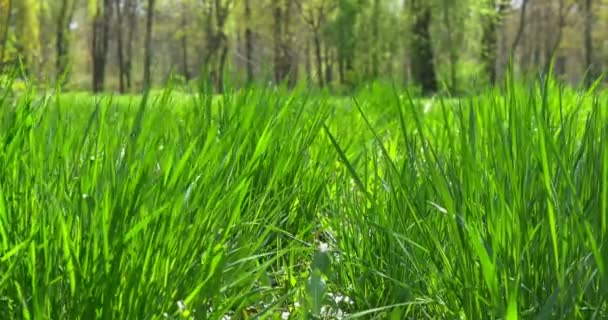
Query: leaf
[[315, 292], [322, 262]]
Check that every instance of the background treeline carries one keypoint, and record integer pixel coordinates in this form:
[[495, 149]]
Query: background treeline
[[458, 45]]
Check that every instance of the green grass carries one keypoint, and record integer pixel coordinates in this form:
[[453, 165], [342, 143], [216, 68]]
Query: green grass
[[264, 202]]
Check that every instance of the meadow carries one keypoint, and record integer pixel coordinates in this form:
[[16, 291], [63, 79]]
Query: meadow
[[265, 203]]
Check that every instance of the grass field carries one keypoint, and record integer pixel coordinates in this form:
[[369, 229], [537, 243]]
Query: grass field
[[268, 204]]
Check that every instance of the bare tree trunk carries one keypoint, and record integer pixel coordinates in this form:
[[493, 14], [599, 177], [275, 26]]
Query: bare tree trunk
[[341, 77], [222, 63], [423, 64], [119, 46], [128, 63], [521, 27], [101, 25], [318, 56], [290, 63], [248, 42], [375, 38], [588, 40], [211, 45], [328, 67], [60, 45], [452, 50], [148, 46], [184, 43], [7, 24], [562, 12], [222, 10], [217, 42], [147, 81], [489, 42], [307, 64], [284, 58], [277, 14]]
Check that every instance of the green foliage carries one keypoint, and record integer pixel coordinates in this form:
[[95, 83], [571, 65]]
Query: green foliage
[[262, 202]]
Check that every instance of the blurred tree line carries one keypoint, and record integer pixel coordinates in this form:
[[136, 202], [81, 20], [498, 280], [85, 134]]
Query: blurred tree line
[[127, 45]]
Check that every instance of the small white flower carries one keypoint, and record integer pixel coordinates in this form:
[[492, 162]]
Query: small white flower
[[323, 247], [427, 107], [342, 299], [181, 306]]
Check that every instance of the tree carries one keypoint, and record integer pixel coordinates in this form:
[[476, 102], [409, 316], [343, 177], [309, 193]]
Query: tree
[[375, 22], [217, 40], [64, 18], [551, 49], [100, 42], [315, 14], [588, 39], [130, 12], [148, 45], [27, 31], [423, 64], [453, 29], [120, 54], [332, 41], [184, 39], [489, 38], [248, 41], [277, 15], [285, 64], [345, 37], [521, 27], [7, 7]]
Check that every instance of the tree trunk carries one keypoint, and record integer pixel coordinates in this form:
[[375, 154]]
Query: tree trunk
[[307, 64], [489, 49], [452, 47], [284, 60], [489, 42], [184, 43], [557, 40], [132, 24], [277, 39], [221, 16], [60, 45], [7, 24], [341, 77], [212, 46], [248, 42], [328, 67], [290, 63], [423, 64], [119, 46], [521, 27], [101, 25], [148, 46], [318, 56], [588, 41], [375, 38], [222, 63], [349, 65], [147, 81]]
